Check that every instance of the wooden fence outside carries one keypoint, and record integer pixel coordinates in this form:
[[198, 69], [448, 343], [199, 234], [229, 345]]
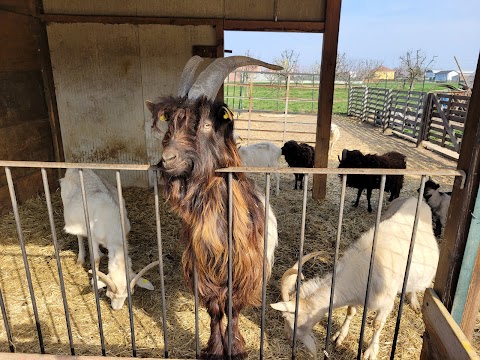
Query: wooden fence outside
[[434, 118]]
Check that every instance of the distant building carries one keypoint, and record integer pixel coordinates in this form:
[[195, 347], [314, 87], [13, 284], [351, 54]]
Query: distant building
[[469, 77], [383, 73], [446, 76], [430, 74]]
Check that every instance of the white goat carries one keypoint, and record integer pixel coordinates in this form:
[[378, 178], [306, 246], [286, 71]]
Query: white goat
[[334, 136], [105, 227], [393, 243], [264, 154]]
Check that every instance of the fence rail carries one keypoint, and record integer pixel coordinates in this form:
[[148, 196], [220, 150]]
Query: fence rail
[[307, 171], [436, 118]]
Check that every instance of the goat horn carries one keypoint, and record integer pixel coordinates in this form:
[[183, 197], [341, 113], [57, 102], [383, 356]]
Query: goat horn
[[188, 73], [211, 79], [109, 282], [143, 271], [344, 154], [287, 278]]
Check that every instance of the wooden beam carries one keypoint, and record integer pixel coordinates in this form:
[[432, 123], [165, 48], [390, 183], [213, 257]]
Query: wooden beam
[[268, 25], [219, 34], [443, 338], [461, 204], [325, 95], [137, 20]]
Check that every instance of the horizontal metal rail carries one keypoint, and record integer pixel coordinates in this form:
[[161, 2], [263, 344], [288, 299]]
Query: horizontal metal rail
[[68, 165]]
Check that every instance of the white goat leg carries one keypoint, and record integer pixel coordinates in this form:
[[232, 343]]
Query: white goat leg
[[373, 348], [81, 250], [343, 332], [413, 300]]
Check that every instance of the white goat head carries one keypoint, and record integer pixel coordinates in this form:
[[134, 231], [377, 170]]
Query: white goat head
[[117, 289]]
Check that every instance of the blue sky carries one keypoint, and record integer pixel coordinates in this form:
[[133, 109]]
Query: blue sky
[[382, 30]]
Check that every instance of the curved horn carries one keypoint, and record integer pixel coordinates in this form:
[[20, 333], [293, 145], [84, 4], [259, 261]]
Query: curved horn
[[289, 277], [143, 271], [344, 154], [109, 282], [339, 159], [211, 79], [188, 73]]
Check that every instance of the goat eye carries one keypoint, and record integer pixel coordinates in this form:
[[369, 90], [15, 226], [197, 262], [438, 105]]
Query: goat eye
[[207, 126]]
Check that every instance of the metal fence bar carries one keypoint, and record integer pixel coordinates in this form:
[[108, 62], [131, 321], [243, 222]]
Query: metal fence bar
[[57, 258], [407, 268], [372, 261], [69, 165], [126, 261], [300, 254], [6, 324], [92, 262], [230, 261], [13, 198], [335, 262], [264, 274], [160, 265]]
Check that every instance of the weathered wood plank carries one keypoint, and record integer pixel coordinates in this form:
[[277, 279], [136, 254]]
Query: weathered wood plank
[[19, 42], [325, 96], [21, 97], [446, 339]]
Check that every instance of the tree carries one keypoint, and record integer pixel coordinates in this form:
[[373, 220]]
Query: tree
[[289, 61], [414, 65], [365, 69]]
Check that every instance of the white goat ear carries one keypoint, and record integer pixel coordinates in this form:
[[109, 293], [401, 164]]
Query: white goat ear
[[144, 283], [150, 105], [287, 306]]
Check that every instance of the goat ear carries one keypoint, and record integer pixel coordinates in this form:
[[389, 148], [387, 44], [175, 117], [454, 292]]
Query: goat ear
[[150, 106], [225, 114], [287, 306], [144, 283]]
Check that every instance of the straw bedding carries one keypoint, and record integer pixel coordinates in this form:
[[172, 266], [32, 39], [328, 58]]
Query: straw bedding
[[320, 233]]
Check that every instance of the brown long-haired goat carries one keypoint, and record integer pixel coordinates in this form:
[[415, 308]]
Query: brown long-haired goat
[[199, 140]]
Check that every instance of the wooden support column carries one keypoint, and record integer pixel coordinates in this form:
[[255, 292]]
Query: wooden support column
[[325, 95], [459, 215]]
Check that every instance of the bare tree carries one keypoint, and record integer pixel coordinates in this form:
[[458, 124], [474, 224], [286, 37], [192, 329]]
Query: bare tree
[[414, 65], [289, 61], [365, 69], [345, 69]]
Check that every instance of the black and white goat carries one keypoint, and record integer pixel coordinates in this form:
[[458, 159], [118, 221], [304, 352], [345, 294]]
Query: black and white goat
[[389, 160], [393, 242], [106, 230], [298, 155], [439, 202]]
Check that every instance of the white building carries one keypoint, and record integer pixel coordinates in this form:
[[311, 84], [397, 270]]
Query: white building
[[430, 74], [446, 76]]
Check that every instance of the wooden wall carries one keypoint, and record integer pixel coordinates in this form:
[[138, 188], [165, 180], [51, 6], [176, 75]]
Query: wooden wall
[[25, 131]]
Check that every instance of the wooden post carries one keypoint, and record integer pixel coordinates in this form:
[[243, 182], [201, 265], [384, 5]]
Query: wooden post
[[461, 204], [325, 94], [250, 100], [422, 135]]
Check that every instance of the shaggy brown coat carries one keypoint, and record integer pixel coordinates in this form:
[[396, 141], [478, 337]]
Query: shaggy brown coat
[[200, 135]]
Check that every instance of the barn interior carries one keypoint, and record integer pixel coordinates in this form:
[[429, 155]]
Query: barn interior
[[74, 78]]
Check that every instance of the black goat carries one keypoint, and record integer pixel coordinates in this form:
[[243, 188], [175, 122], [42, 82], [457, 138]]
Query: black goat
[[298, 155], [390, 160], [439, 202]]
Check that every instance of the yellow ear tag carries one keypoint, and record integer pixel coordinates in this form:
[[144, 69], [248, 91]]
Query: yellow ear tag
[[145, 281], [228, 114], [225, 116], [162, 118]]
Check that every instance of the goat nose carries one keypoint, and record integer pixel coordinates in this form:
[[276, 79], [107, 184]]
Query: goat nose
[[169, 156]]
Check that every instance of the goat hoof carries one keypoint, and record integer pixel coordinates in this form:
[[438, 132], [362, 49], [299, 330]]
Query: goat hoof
[[370, 210]]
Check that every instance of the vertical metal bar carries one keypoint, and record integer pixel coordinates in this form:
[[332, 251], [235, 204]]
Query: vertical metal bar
[[407, 269], [160, 265], [370, 270], [195, 294], [126, 261], [300, 254], [264, 274], [13, 198], [230, 260], [286, 109], [250, 100], [334, 276], [92, 261], [6, 324], [57, 258]]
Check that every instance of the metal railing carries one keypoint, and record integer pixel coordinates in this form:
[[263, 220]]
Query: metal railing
[[229, 173]]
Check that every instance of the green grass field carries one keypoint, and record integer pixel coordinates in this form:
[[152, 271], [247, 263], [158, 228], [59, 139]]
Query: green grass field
[[302, 99]]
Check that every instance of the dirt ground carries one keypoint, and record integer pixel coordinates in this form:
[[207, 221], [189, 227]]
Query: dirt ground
[[320, 233]]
